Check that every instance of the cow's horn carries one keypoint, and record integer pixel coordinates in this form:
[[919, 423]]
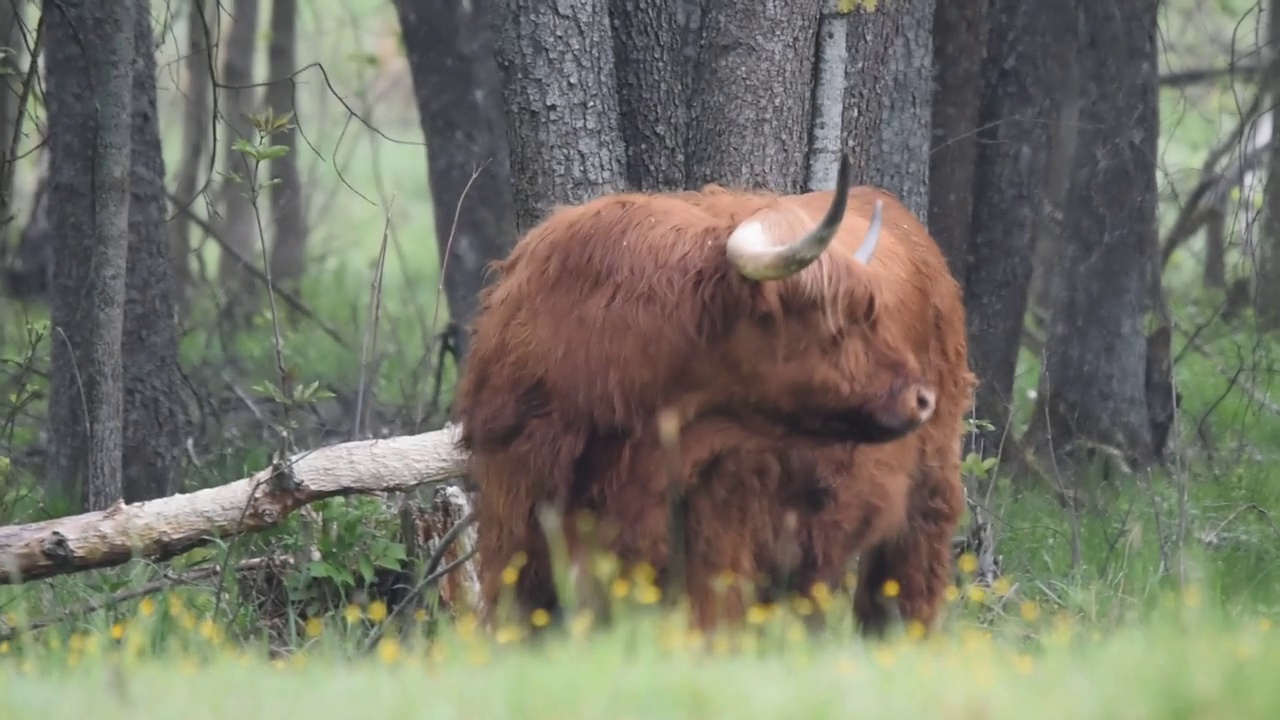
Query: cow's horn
[[758, 258], [872, 238]]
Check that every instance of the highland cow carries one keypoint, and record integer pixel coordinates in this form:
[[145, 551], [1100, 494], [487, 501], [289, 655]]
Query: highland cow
[[812, 350]]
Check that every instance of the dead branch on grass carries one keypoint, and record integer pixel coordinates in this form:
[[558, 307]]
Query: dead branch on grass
[[167, 527]]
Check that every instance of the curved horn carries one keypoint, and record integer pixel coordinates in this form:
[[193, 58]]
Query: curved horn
[[756, 257], [872, 238]]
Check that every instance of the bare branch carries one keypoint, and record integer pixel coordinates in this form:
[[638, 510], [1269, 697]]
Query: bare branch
[[1185, 78], [167, 527], [1215, 185]]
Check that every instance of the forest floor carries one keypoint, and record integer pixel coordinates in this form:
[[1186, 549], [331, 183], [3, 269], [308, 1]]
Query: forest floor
[[1185, 661]]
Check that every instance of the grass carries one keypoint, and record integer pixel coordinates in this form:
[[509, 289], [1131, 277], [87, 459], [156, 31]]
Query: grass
[[1185, 660]]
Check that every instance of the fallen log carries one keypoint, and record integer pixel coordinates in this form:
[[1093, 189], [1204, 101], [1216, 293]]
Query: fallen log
[[167, 527]]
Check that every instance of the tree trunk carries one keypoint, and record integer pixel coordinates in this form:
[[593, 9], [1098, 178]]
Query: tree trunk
[[1268, 307], [196, 116], [238, 225], [11, 80], [89, 97], [1026, 50], [888, 98], [153, 387], [825, 133], [1061, 156], [752, 92], [959, 49], [690, 17], [289, 246], [1095, 375], [459, 94], [561, 97], [653, 91]]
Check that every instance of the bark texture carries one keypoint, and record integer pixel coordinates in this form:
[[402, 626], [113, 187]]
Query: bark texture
[[89, 99], [752, 93], [459, 94], [1094, 385], [1061, 156], [888, 98], [653, 91], [1019, 110], [560, 88], [289, 246], [959, 50], [690, 14], [153, 386]]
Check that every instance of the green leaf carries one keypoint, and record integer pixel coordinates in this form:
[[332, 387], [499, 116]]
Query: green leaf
[[271, 152]]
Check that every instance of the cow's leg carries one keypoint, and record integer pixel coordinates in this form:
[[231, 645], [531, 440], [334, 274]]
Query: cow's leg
[[515, 569], [510, 543], [918, 559]]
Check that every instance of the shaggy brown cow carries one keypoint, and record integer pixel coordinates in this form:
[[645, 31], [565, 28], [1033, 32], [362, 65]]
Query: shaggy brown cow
[[817, 364]]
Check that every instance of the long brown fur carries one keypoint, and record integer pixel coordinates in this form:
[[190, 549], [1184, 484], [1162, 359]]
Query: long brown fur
[[608, 312]]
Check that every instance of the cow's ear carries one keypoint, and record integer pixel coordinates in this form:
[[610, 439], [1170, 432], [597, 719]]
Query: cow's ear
[[868, 310]]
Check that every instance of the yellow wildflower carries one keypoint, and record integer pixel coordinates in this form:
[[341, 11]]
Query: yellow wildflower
[[647, 594], [885, 657], [353, 613], [467, 626], [507, 634], [1023, 664], [1001, 586], [644, 573], [891, 588], [581, 623], [1029, 610], [620, 588], [803, 606], [388, 650]]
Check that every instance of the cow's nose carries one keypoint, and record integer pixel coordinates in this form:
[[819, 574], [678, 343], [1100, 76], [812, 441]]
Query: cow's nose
[[925, 403]]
